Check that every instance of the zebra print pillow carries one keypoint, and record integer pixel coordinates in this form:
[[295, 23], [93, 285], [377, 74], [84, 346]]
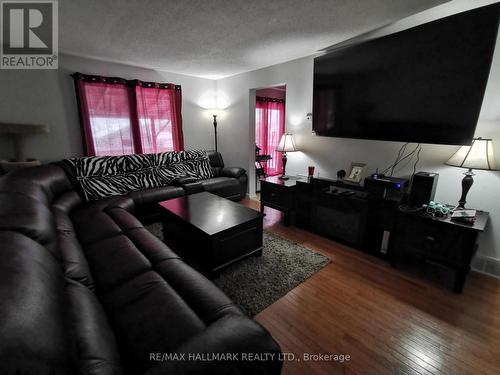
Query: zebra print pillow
[[104, 176], [193, 163]]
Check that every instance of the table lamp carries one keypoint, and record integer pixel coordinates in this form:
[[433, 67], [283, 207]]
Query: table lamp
[[287, 144], [479, 155]]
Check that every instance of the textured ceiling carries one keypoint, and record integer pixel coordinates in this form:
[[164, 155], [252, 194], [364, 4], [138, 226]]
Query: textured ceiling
[[217, 38]]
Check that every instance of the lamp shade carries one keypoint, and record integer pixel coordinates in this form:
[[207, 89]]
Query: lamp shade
[[287, 143], [479, 155]]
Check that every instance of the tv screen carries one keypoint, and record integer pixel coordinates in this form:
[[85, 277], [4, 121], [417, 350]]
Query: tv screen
[[425, 84]]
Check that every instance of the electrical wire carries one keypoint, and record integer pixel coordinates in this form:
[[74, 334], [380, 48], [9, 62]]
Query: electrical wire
[[401, 150], [416, 161], [410, 156], [398, 160]]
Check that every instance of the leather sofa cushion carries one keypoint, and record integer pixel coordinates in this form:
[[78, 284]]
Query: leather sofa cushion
[[209, 302], [183, 181], [28, 216], [193, 188], [216, 160], [223, 186], [67, 202], [224, 336], [152, 196], [136, 306], [147, 200], [152, 247], [234, 172], [32, 306], [97, 352], [115, 260], [63, 223], [102, 227], [73, 261], [141, 282], [69, 251], [123, 218], [43, 183], [20, 186]]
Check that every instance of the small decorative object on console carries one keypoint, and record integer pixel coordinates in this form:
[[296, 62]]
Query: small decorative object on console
[[310, 172], [355, 173], [464, 216], [341, 174], [437, 209]]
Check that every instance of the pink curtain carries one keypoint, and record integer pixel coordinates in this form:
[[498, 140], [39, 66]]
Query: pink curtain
[[269, 127], [122, 117], [106, 118], [157, 110]]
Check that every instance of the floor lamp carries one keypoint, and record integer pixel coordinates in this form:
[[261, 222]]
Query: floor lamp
[[215, 113]]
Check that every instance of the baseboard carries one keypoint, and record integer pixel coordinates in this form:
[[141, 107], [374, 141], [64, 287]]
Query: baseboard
[[487, 265]]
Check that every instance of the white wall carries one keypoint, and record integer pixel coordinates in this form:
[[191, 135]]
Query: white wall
[[331, 154], [48, 97]]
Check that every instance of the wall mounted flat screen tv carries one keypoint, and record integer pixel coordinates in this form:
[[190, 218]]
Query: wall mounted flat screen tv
[[425, 84]]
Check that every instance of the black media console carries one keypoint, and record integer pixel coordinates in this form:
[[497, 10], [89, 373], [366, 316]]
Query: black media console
[[350, 214], [369, 219]]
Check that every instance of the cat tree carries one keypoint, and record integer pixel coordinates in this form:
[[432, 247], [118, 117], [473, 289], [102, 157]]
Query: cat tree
[[17, 133]]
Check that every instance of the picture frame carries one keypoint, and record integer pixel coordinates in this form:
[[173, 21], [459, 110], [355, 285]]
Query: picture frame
[[355, 173]]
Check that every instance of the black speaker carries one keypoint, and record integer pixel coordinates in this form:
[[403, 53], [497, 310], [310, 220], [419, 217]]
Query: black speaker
[[423, 188]]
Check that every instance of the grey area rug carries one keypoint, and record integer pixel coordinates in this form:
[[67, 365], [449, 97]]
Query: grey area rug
[[257, 282]]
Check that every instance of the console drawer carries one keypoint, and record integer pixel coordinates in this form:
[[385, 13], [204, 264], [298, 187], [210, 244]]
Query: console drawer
[[276, 195], [431, 239]]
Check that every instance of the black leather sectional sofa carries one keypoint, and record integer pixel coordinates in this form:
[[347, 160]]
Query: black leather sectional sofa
[[86, 289]]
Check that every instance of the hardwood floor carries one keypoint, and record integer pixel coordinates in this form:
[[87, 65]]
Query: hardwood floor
[[386, 320]]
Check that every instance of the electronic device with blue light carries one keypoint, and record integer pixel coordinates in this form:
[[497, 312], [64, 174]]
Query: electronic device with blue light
[[386, 182]]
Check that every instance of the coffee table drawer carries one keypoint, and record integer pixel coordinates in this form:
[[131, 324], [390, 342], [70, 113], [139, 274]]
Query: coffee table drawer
[[236, 244]]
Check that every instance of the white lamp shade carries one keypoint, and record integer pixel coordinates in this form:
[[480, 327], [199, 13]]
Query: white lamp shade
[[479, 155], [287, 143]]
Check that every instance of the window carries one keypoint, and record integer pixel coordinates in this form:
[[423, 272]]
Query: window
[[124, 117], [156, 112], [269, 127]]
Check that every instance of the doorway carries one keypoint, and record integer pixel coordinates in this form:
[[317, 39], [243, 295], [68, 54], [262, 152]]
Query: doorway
[[269, 128]]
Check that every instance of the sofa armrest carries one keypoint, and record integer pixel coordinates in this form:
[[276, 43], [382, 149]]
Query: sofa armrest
[[180, 181], [193, 188], [234, 172], [248, 347]]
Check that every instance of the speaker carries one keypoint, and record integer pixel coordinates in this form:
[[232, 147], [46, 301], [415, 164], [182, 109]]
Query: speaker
[[423, 188]]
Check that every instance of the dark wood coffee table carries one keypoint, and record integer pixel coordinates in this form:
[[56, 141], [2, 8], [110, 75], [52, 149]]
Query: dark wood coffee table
[[210, 232]]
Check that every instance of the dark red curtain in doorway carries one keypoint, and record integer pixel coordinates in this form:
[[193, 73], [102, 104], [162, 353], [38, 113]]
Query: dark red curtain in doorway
[[121, 117], [269, 127]]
